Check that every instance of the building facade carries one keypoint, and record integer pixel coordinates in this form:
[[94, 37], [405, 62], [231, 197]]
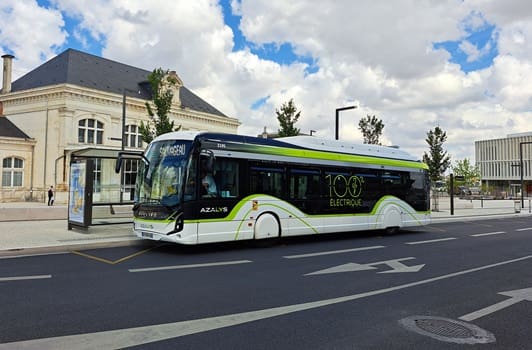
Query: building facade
[[505, 163], [77, 101]]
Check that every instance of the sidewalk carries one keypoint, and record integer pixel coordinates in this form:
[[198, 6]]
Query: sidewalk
[[32, 228]]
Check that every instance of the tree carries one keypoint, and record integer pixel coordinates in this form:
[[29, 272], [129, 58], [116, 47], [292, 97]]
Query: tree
[[437, 160], [287, 117], [371, 128], [471, 173], [162, 88]]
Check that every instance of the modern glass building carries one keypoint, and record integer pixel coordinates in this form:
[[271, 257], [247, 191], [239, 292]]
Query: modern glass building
[[506, 164]]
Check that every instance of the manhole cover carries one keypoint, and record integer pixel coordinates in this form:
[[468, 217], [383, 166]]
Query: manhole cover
[[447, 330]]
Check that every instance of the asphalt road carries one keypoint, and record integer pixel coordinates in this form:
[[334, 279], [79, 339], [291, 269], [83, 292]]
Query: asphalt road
[[445, 286]]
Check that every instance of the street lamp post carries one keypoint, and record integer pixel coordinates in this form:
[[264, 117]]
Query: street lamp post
[[123, 136], [123, 119], [338, 110], [522, 171]]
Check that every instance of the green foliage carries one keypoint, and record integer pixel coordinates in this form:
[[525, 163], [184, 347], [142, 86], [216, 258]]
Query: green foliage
[[371, 128], [471, 173], [437, 160], [161, 83], [287, 117]]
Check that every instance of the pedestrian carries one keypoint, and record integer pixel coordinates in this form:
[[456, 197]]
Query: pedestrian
[[51, 196]]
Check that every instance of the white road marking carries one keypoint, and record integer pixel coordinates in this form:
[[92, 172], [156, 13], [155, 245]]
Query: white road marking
[[121, 338], [488, 234], [31, 255], [395, 265], [524, 229], [516, 296], [22, 278], [177, 267], [333, 252], [432, 241]]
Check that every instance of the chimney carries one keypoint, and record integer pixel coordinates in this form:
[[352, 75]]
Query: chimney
[[6, 77], [178, 83]]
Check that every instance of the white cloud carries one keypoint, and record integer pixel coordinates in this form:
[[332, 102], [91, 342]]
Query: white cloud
[[369, 53], [29, 32]]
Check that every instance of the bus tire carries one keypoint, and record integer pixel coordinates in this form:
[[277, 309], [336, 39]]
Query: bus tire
[[392, 230], [267, 229], [392, 220]]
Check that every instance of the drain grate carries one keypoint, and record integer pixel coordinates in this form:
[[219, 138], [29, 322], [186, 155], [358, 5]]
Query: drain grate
[[447, 330], [444, 328]]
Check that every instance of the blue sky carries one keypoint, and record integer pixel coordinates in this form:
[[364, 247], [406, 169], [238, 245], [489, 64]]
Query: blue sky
[[465, 66]]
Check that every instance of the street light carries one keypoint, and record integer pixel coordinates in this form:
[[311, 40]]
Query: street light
[[521, 170], [124, 114], [338, 114]]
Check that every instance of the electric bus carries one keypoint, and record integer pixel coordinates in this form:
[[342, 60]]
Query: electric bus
[[200, 187]]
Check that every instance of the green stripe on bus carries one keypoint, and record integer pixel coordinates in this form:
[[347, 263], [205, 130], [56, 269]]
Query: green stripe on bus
[[351, 158]]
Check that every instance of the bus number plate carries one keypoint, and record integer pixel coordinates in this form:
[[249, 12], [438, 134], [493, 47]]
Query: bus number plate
[[147, 235]]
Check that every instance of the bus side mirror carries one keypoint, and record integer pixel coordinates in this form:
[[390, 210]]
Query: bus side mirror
[[207, 162]]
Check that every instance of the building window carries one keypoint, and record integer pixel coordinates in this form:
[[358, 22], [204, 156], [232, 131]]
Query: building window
[[97, 175], [90, 131], [133, 137], [12, 172], [129, 177]]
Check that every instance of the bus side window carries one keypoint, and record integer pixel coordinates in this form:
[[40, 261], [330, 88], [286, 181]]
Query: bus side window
[[266, 180], [226, 177], [304, 184]]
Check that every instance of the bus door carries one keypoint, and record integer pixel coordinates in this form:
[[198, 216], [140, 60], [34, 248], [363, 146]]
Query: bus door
[[304, 193]]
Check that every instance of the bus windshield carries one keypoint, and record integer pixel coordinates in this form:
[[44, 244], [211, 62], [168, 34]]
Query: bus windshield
[[160, 179]]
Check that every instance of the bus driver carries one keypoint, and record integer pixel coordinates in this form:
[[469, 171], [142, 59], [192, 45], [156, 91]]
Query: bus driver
[[208, 183]]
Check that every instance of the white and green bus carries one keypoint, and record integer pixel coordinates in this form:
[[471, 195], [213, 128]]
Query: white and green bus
[[270, 188]]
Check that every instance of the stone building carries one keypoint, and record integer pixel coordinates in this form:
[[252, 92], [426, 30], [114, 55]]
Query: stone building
[[74, 102]]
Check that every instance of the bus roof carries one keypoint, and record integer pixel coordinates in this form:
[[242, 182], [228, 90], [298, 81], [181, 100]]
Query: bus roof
[[299, 142]]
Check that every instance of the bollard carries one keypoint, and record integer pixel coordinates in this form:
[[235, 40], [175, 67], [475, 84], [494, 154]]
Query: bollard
[[517, 206]]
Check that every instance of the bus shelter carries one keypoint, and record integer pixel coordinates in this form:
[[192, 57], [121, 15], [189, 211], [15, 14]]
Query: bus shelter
[[98, 195]]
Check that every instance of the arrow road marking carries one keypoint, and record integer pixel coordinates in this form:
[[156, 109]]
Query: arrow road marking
[[395, 264], [399, 267], [515, 297]]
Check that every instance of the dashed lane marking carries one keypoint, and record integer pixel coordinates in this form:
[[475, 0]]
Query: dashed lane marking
[[22, 278], [431, 241], [333, 252], [488, 234], [176, 267]]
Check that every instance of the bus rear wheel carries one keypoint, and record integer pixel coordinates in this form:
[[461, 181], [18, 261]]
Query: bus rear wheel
[[392, 230]]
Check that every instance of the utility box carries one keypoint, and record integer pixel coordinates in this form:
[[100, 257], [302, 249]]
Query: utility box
[[517, 206]]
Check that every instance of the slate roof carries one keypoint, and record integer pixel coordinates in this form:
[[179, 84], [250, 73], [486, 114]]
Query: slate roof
[[8, 129], [90, 71]]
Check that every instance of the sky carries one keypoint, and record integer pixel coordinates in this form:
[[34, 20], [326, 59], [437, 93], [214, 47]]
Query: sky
[[462, 65]]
